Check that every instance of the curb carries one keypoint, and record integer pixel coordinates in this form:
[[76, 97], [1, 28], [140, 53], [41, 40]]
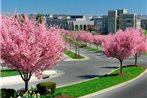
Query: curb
[[84, 80], [114, 87], [71, 59]]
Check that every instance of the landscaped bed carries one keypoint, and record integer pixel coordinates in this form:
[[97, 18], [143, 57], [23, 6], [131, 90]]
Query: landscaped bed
[[93, 85], [93, 49], [72, 55], [100, 83]]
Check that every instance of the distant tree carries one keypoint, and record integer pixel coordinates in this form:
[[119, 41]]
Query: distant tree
[[140, 42], [40, 18], [98, 39], [86, 37], [29, 47]]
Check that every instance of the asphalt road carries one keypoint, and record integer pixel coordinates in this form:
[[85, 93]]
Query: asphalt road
[[76, 71], [135, 89], [98, 64]]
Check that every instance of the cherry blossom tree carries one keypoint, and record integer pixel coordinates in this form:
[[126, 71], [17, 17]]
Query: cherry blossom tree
[[119, 46], [146, 45], [139, 37], [98, 39], [29, 47], [86, 37]]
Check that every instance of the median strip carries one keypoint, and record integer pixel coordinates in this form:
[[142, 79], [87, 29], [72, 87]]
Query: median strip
[[100, 83]]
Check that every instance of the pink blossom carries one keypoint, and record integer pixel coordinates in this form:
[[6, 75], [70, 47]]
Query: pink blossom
[[28, 46]]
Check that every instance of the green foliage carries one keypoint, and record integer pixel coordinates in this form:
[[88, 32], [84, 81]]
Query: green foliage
[[100, 83], [8, 93], [145, 31], [39, 18], [46, 88]]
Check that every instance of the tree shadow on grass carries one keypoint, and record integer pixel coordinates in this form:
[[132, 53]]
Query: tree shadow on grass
[[89, 76], [8, 70], [110, 75]]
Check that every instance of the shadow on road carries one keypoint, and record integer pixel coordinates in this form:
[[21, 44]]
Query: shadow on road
[[110, 67]]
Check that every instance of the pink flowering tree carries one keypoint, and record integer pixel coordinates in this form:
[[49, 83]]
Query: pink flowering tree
[[75, 37], [119, 46], [29, 47], [86, 37], [139, 37], [98, 39], [146, 45]]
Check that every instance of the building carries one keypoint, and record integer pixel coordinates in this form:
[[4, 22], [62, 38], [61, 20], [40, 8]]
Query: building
[[104, 24], [83, 24], [113, 19], [98, 24], [70, 22], [60, 21], [128, 20], [143, 20]]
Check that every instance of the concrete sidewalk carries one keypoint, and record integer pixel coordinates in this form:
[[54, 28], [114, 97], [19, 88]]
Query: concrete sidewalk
[[17, 79]]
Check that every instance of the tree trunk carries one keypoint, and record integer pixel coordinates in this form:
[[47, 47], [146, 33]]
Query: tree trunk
[[25, 77], [75, 50], [86, 44], [120, 66], [78, 52], [78, 49], [97, 47], [70, 47], [26, 85], [135, 59]]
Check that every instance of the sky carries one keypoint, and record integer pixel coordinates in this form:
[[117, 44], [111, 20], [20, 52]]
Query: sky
[[72, 7]]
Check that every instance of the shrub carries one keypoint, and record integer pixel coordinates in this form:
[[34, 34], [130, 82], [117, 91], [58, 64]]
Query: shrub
[[7, 93], [46, 88], [28, 94], [20, 92]]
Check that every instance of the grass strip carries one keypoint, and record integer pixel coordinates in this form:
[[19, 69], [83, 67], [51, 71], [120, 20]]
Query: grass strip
[[100, 83], [93, 49], [9, 72], [72, 55], [145, 31]]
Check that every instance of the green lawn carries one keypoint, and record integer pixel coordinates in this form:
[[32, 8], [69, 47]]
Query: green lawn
[[93, 49], [82, 45], [145, 31], [103, 82], [93, 85], [72, 55], [145, 53], [8, 72]]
